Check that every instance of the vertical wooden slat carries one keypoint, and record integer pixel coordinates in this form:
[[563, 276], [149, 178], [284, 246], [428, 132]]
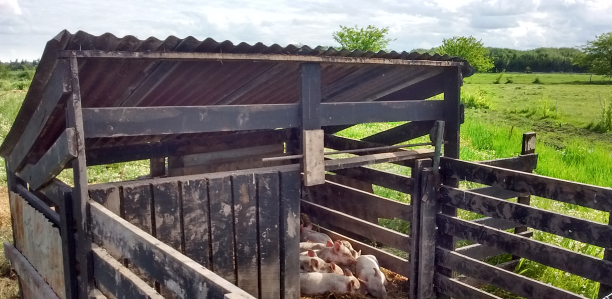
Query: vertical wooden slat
[[167, 214], [310, 96], [108, 196], [157, 166], [244, 196], [74, 119], [528, 147], [137, 206], [427, 266], [67, 228], [290, 233], [415, 225], [222, 227], [605, 290], [196, 221], [268, 195]]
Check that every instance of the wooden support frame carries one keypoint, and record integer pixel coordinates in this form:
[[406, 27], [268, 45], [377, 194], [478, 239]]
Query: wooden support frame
[[456, 289], [27, 274], [401, 133], [52, 162], [415, 226], [427, 234], [38, 204]]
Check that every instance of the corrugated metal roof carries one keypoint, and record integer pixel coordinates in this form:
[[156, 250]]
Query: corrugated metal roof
[[138, 82]]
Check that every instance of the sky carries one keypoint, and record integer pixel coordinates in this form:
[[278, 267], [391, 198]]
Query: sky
[[26, 25]]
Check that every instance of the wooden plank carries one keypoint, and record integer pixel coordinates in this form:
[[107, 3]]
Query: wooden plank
[[528, 147], [497, 223], [495, 192], [419, 91], [116, 280], [343, 143], [244, 194], [331, 165], [27, 274], [137, 202], [353, 224], [231, 155], [222, 227], [290, 184], [585, 195], [167, 205], [381, 178], [385, 259], [313, 161], [333, 114], [54, 96], [182, 275], [310, 96], [456, 289], [566, 260], [509, 266], [606, 289], [107, 195], [452, 117], [157, 166], [359, 203], [585, 231], [401, 133], [415, 224], [525, 163], [481, 252], [427, 234], [517, 284], [269, 250], [196, 220], [38, 204], [346, 181], [52, 162]]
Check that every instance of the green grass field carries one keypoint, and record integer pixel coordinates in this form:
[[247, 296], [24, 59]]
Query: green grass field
[[567, 149]]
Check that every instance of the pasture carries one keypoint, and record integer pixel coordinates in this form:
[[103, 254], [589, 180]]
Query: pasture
[[559, 110]]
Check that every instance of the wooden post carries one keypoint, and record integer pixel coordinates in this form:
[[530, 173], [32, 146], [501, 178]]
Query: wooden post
[[428, 237], [312, 135], [605, 290], [415, 226], [68, 244], [528, 147], [74, 119], [158, 167]]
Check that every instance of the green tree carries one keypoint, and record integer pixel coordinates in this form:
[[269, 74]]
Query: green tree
[[469, 49], [597, 56], [364, 39]]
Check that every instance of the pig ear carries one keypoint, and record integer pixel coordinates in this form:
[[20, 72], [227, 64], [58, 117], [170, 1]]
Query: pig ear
[[309, 226], [314, 263], [328, 260], [333, 266], [311, 253], [351, 285], [337, 247], [348, 272], [329, 244], [375, 272]]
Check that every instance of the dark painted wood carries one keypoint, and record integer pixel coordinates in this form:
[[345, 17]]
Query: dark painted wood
[[269, 250], [589, 196], [160, 261], [566, 226], [196, 221], [427, 234], [289, 228], [385, 259], [222, 227], [481, 252], [157, 166], [496, 223], [517, 284], [331, 165], [39, 205], [419, 91], [138, 206], [52, 162], [167, 205], [117, 280], [452, 95], [368, 112], [244, 195], [343, 143], [496, 192], [368, 230], [606, 289], [415, 225], [378, 177], [455, 289], [347, 181], [401, 133], [528, 148], [335, 129], [29, 277], [525, 163], [359, 203], [56, 92], [566, 260], [310, 96], [109, 196]]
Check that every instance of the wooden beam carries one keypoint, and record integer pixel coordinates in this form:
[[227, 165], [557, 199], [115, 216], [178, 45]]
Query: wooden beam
[[39, 205], [495, 192], [415, 224], [566, 226], [370, 231], [55, 95], [525, 163], [369, 112], [250, 57], [427, 234], [27, 274], [401, 133], [331, 165], [496, 223], [585, 195], [52, 162], [563, 259], [117, 280], [313, 160], [512, 282], [343, 143], [481, 252], [310, 96], [289, 233], [456, 289], [381, 178], [182, 275], [419, 91]]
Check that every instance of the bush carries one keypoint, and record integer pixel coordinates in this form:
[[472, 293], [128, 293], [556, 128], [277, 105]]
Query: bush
[[605, 120], [475, 100], [21, 85], [537, 81]]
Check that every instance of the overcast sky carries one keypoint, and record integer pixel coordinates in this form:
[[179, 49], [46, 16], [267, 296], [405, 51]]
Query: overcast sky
[[26, 25]]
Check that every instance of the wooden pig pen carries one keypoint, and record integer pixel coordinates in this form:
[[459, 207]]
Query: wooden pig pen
[[235, 136]]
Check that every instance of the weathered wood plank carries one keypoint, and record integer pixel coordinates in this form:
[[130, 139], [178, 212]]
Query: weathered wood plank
[[560, 258], [495, 192], [196, 221], [313, 160], [54, 96], [520, 285], [456, 289], [269, 250], [333, 114], [331, 165], [358, 226], [427, 234], [107, 195], [415, 225], [182, 275], [401, 133], [222, 227], [289, 229], [39, 205], [606, 289], [481, 252], [566, 226], [157, 167], [497, 223], [525, 162], [52, 162], [310, 96], [357, 203], [167, 204], [27, 274], [350, 182], [378, 177], [585, 195], [244, 194], [118, 281], [343, 143], [137, 202]]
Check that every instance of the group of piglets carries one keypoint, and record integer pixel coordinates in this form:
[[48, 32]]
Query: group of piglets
[[326, 265]]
